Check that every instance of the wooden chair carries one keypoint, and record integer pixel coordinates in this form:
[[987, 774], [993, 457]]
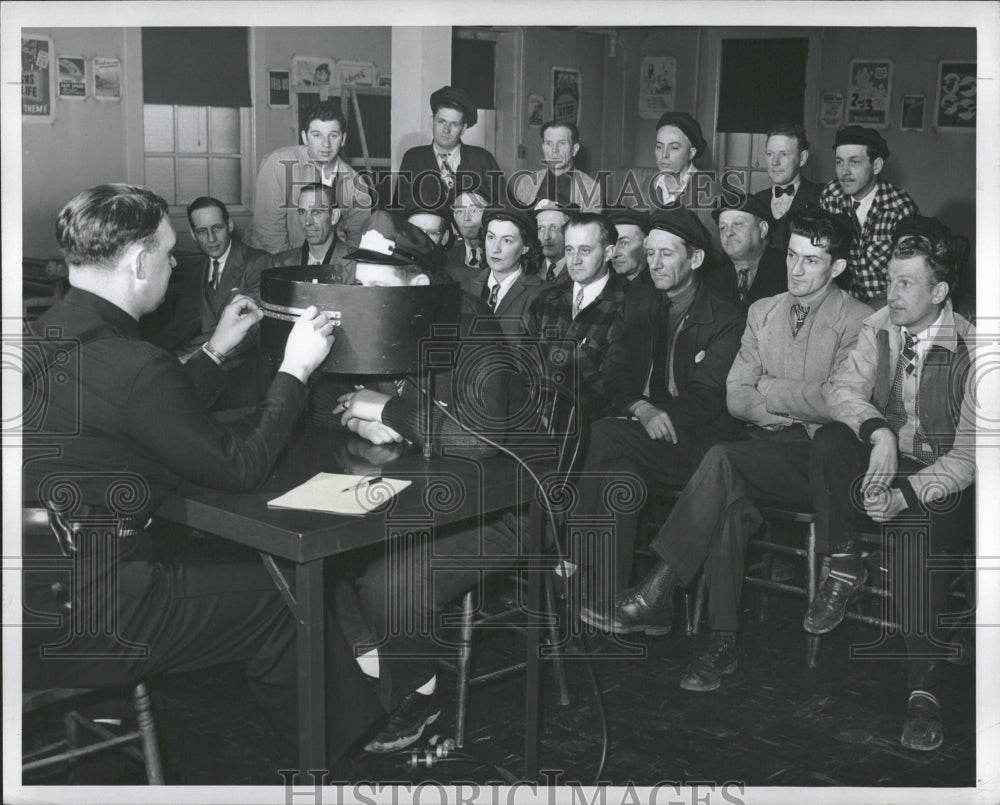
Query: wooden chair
[[70, 748]]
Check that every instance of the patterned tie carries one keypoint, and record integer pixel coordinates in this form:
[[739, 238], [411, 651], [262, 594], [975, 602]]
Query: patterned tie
[[800, 312], [855, 206], [744, 285], [895, 412], [213, 280], [494, 296], [550, 275], [447, 175], [577, 303]]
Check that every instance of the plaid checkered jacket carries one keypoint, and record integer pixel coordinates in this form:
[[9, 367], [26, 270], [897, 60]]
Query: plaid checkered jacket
[[869, 257], [588, 336]]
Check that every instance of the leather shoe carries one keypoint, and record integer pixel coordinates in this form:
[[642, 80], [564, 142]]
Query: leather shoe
[[631, 613], [922, 730], [720, 659], [828, 607]]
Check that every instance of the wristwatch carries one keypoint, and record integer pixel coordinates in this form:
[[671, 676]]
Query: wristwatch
[[216, 356]]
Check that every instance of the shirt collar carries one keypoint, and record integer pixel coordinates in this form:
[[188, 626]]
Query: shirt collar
[[592, 291], [506, 282], [674, 185], [224, 257], [796, 183], [941, 331], [454, 158]]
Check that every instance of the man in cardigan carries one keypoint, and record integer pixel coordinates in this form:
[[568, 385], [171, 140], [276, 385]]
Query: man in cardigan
[[666, 380], [786, 152], [905, 427], [276, 226], [436, 173], [790, 348], [752, 269], [318, 214], [873, 205], [559, 180], [227, 267]]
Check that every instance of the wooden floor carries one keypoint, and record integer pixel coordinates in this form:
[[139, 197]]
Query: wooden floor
[[773, 723]]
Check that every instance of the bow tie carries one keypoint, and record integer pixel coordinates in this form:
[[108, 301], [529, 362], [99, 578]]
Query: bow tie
[[782, 191]]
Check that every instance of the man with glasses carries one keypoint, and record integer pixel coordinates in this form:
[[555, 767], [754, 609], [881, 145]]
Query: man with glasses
[[318, 214]]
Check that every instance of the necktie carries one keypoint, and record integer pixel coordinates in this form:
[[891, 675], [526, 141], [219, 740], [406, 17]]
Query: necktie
[[578, 302], [786, 190], [895, 413], [550, 275], [447, 175], [494, 296], [800, 312], [473, 260], [214, 279], [744, 285], [855, 205]]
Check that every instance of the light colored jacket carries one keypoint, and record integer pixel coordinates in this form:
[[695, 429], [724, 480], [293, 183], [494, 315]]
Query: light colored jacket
[[583, 189], [276, 226], [771, 385], [860, 382]]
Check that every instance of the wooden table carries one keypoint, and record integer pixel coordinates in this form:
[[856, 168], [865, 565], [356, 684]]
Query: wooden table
[[444, 490]]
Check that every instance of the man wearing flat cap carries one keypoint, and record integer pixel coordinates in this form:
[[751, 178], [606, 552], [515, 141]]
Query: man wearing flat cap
[[873, 205], [629, 258], [905, 419], [434, 174], [667, 384], [551, 217], [752, 269], [790, 347], [559, 179], [786, 153]]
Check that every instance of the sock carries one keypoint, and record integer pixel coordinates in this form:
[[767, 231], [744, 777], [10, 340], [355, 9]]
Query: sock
[[429, 686], [368, 663]]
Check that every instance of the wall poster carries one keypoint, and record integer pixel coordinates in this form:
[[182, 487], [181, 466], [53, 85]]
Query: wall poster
[[956, 96], [657, 79], [72, 80], [911, 113], [278, 90], [107, 74], [536, 111], [36, 77], [831, 112], [869, 92], [566, 94]]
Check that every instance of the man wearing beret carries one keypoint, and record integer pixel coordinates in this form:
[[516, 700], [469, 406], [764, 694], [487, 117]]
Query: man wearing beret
[[776, 385], [786, 152], [559, 179], [753, 269], [276, 227], [905, 424], [666, 380], [434, 174], [629, 259], [873, 205]]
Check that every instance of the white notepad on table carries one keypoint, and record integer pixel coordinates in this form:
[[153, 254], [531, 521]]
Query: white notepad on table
[[340, 494]]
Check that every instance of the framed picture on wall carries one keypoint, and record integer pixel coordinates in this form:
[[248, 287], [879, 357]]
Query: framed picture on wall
[[911, 113], [956, 96], [869, 93], [37, 78], [279, 93], [566, 94], [72, 79]]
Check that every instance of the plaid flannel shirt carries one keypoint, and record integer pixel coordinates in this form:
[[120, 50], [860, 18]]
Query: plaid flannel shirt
[[596, 327], [869, 257]]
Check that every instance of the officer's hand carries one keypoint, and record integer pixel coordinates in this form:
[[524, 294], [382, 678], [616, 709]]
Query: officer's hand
[[235, 322], [308, 343]]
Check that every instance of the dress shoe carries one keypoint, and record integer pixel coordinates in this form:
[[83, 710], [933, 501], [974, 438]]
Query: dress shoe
[[632, 613], [414, 713], [720, 659], [836, 587], [922, 730]]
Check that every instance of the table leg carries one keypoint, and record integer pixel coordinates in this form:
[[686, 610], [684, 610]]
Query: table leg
[[311, 665], [536, 526]]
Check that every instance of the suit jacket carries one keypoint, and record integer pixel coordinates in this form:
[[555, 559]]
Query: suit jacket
[[419, 172], [808, 193], [771, 278], [199, 307], [455, 263], [706, 344], [584, 190], [797, 369], [276, 224], [299, 256], [590, 337], [512, 312]]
